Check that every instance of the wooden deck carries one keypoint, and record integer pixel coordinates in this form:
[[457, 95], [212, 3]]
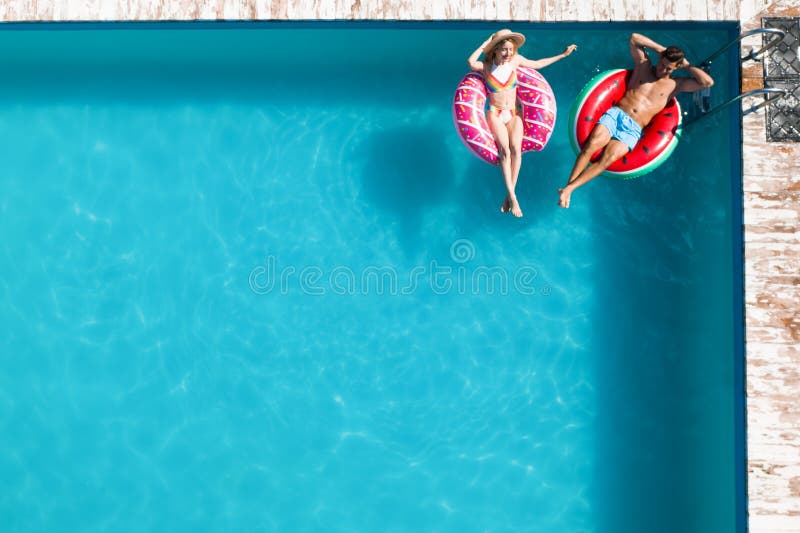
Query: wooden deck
[[772, 294], [530, 10], [771, 191]]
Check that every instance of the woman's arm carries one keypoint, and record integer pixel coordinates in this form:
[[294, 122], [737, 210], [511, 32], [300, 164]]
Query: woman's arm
[[541, 63], [472, 60]]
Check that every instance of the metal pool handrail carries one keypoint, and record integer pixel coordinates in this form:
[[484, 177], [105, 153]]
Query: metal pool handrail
[[767, 100], [766, 90], [755, 56]]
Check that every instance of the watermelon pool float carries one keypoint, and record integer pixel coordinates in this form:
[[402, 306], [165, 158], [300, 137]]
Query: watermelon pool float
[[659, 138]]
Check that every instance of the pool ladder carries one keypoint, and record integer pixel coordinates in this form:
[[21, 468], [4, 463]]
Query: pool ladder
[[702, 99]]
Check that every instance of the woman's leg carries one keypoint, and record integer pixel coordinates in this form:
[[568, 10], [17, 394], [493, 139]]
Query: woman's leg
[[515, 128], [500, 134]]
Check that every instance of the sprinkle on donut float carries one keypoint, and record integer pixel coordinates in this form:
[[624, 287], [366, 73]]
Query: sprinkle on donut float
[[659, 137], [535, 98]]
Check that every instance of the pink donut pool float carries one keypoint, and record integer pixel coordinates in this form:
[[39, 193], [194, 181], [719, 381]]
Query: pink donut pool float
[[534, 96]]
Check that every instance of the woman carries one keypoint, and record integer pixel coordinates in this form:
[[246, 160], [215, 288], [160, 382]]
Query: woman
[[500, 61]]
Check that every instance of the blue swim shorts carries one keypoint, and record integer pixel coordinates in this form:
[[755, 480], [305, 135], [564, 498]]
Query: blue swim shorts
[[621, 126]]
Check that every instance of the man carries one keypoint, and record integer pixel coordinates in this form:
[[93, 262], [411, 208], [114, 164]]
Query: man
[[649, 89]]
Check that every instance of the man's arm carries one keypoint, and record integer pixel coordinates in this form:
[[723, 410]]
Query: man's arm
[[700, 79], [638, 43]]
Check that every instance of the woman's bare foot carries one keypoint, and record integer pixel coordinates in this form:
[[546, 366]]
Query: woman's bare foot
[[506, 207], [563, 197], [515, 209]]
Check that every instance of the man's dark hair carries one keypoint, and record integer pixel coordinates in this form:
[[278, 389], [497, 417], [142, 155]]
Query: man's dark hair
[[673, 54]]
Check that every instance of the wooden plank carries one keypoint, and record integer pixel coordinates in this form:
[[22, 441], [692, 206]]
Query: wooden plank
[[697, 11], [455, 10], [770, 159], [419, 10], [569, 9], [537, 10], [489, 11], [20, 10], [324, 10], [413, 10], [599, 10], [43, 11], [502, 10], [262, 9], [770, 184], [770, 523], [388, 10], [473, 10], [278, 9], [438, 11], [520, 10], [634, 10], [730, 10], [748, 9], [714, 9], [361, 11], [668, 9], [551, 10], [652, 10], [618, 10], [293, 10], [223, 9]]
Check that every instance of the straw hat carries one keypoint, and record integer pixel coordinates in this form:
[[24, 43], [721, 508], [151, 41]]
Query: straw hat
[[502, 35]]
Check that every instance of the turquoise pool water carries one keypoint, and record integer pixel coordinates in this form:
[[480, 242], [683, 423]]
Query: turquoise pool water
[[251, 280]]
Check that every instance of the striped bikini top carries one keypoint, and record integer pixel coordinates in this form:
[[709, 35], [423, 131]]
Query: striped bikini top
[[494, 85]]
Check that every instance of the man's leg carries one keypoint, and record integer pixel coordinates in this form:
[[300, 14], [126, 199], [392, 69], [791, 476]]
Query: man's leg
[[613, 151], [598, 139]]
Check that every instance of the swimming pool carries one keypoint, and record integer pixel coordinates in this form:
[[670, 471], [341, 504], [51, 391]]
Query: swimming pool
[[252, 280]]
